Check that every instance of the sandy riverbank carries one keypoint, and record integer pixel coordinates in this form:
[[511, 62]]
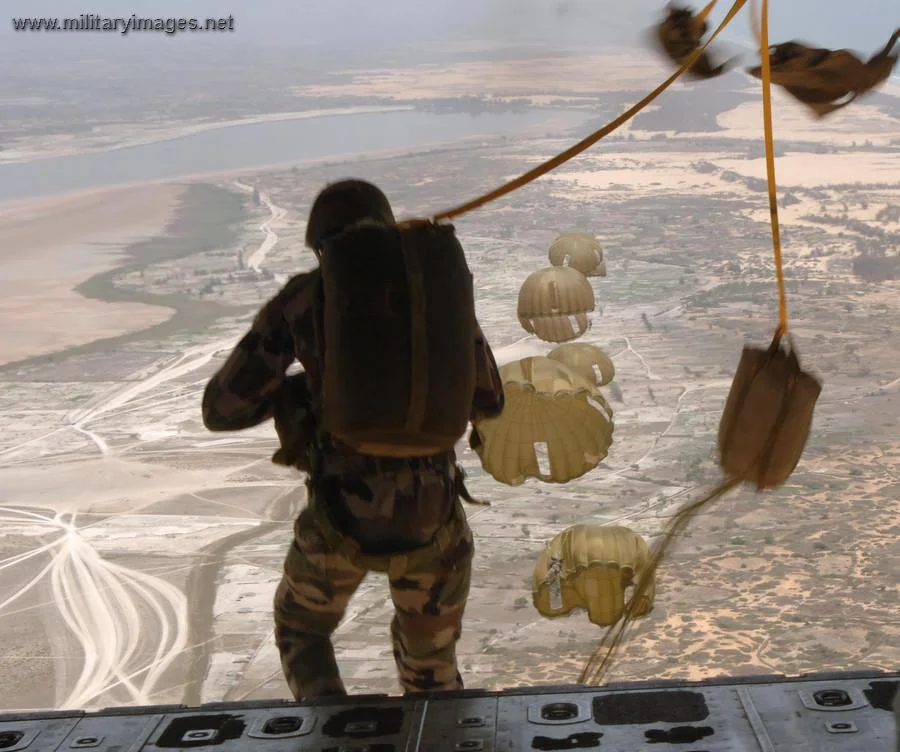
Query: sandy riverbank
[[48, 247]]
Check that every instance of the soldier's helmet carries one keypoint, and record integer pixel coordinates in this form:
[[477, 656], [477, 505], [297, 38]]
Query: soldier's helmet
[[342, 204]]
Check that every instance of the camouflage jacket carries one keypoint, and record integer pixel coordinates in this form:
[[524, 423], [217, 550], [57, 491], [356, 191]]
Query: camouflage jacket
[[361, 491]]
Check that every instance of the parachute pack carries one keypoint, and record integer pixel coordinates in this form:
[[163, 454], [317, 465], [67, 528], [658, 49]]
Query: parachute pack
[[767, 415], [681, 33], [399, 330], [827, 80]]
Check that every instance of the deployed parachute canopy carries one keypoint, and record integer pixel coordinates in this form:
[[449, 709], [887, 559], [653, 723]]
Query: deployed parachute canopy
[[554, 303], [681, 33], [580, 251], [550, 408], [589, 567], [827, 80], [588, 361]]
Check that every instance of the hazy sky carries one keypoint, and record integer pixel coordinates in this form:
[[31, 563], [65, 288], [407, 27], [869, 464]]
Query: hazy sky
[[380, 24]]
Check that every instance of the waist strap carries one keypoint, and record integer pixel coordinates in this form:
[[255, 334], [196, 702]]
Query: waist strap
[[331, 461], [394, 565]]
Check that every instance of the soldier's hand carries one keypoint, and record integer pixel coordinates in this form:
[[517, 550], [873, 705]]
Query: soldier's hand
[[293, 422]]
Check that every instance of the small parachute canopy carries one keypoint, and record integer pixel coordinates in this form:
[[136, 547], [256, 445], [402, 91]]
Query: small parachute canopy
[[827, 80], [588, 361], [589, 567], [551, 409], [580, 251], [554, 304]]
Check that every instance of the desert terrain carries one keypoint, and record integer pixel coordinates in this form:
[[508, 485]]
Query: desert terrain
[[139, 553]]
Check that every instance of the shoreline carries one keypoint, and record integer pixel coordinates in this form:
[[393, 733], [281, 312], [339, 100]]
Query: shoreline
[[97, 314], [176, 131], [231, 174], [49, 250]]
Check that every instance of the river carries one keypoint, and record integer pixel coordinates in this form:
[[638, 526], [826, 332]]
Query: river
[[256, 145]]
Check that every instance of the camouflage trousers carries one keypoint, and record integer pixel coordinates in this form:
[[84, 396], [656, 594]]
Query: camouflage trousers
[[429, 587]]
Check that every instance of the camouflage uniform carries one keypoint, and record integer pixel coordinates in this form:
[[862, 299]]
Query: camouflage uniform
[[402, 517]]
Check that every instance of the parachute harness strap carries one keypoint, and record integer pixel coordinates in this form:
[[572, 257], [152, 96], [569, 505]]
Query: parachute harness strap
[[770, 168], [601, 659], [701, 16], [587, 142]]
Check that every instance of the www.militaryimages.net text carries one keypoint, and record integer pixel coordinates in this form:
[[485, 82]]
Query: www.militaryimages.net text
[[122, 24]]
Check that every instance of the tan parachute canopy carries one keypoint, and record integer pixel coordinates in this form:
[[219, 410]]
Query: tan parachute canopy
[[588, 361], [827, 80], [681, 34], [554, 303], [590, 566], [580, 251], [548, 406]]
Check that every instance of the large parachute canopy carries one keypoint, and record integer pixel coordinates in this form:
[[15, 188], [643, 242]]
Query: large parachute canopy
[[590, 567], [554, 304], [580, 251], [588, 361], [551, 409]]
